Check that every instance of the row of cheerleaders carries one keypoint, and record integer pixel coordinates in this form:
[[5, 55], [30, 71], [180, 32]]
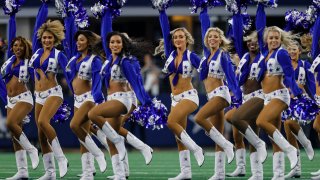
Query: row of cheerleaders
[[270, 82]]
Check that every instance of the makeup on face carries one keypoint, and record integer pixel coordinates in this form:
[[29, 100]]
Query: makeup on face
[[47, 40], [82, 43], [115, 44]]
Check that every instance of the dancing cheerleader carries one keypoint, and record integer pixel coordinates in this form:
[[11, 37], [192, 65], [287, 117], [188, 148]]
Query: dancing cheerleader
[[16, 75], [47, 62], [119, 68], [276, 70], [305, 81], [84, 79], [179, 67], [214, 67]]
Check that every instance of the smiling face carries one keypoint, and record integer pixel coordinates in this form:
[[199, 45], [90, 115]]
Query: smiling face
[[179, 39], [252, 45], [47, 40], [214, 40], [294, 52], [18, 49], [273, 40], [115, 44], [82, 43]]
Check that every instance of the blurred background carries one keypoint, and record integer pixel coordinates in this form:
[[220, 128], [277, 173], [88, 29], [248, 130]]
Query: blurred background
[[139, 20]]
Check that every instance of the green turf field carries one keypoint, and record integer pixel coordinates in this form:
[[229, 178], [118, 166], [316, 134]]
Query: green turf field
[[164, 164]]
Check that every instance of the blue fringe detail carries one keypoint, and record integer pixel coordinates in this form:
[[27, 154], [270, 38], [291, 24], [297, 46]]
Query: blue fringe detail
[[152, 115], [63, 114], [162, 4], [204, 4]]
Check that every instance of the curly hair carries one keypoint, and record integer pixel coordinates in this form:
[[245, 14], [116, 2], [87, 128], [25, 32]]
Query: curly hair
[[92, 38], [253, 36], [26, 44], [225, 43], [55, 27], [286, 37]]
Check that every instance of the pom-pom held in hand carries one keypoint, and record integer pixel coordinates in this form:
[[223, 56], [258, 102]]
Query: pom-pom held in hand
[[304, 109], [300, 21], [79, 12], [268, 3], [237, 6], [62, 114], [12, 6], [247, 21], [99, 9], [152, 115], [203, 4], [162, 4]]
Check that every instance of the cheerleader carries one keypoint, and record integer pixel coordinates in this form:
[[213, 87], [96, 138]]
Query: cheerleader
[[305, 81], [276, 70], [214, 67], [179, 66], [85, 82], [119, 68], [244, 119], [47, 62], [16, 75]]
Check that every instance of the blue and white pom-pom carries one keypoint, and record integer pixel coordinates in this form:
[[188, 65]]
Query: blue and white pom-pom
[[162, 4], [79, 12], [99, 9], [26, 119], [114, 4], [286, 114], [63, 113], [12, 6], [203, 4], [61, 8], [237, 6], [45, 1], [152, 115], [268, 3], [235, 103], [316, 3], [247, 21], [305, 109]]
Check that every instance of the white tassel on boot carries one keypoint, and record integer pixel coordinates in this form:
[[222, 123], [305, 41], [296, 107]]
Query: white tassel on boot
[[240, 171], [145, 150], [185, 166], [86, 169], [32, 151], [60, 157], [278, 166], [193, 147], [118, 168], [295, 172], [220, 140], [95, 151], [256, 167], [219, 166], [22, 166], [305, 142], [257, 143], [286, 147], [49, 167], [115, 138]]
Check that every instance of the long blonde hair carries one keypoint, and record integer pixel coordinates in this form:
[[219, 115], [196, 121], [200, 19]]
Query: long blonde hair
[[286, 37], [55, 27], [225, 43], [159, 50]]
